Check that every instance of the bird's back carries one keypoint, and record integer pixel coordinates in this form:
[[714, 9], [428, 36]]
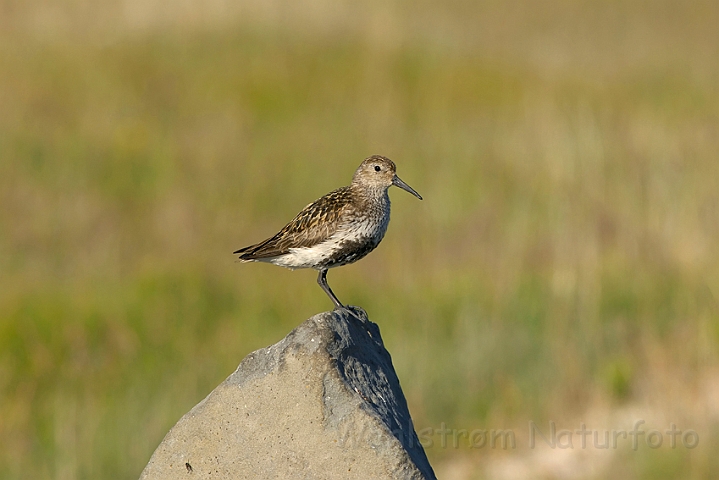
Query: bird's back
[[338, 228], [314, 224]]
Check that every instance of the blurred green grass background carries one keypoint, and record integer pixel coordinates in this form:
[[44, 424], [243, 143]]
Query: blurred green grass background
[[563, 265]]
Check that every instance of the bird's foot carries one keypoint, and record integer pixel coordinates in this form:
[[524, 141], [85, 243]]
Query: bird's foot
[[349, 309]]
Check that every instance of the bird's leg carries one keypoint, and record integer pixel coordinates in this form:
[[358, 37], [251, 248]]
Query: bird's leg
[[322, 280]]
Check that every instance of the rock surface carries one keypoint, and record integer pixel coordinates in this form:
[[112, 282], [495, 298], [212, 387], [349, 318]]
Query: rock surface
[[323, 403]]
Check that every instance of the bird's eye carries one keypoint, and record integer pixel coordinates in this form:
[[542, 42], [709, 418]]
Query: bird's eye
[[377, 168]]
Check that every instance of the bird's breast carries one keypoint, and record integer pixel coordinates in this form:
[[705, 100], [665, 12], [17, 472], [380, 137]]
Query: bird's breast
[[358, 237]]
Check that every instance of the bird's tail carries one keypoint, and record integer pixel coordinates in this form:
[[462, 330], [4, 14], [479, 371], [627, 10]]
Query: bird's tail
[[245, 254]]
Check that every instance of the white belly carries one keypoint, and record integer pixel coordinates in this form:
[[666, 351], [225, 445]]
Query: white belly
[[356, 238]]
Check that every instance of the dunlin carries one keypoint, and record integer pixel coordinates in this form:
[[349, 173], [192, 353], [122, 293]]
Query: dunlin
[[337, 229]]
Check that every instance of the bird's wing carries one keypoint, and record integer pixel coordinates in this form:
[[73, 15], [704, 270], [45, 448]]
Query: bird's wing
[[315, 223]]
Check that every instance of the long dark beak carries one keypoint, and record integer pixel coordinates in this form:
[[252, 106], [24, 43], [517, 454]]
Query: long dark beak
[[396, 181]]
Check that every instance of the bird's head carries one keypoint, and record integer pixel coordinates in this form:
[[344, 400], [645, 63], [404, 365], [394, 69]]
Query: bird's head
[[380, 172]]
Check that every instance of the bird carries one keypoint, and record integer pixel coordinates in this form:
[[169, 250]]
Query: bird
[[336, 229]]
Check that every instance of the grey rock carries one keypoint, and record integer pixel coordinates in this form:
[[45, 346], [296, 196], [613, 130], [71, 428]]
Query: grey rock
[[322, 403]]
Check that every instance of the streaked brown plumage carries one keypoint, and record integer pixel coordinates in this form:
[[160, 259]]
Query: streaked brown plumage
[[315, 223], [338, 228]]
